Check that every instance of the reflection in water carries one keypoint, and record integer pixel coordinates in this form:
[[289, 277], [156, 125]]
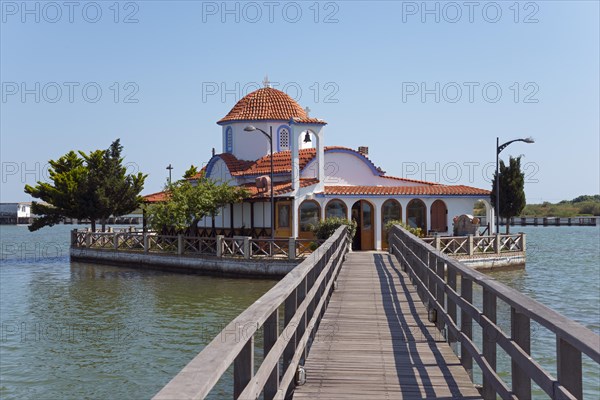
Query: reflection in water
[[77, 330]]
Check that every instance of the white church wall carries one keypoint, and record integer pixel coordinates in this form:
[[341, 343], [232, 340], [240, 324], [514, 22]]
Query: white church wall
[[220, 173], [254, 145], [345, 168]]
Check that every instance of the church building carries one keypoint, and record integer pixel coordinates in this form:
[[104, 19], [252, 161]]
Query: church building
[[312, 181]]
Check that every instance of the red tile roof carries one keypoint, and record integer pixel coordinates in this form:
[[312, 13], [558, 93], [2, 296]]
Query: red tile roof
[[431, 190], [154, 197], [279, 188], [268, 104], [282, 163], [409, 180]]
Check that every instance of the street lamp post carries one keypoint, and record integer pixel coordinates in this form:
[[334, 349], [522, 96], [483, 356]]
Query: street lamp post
[[170, 168], [499, 149], [251, 128]]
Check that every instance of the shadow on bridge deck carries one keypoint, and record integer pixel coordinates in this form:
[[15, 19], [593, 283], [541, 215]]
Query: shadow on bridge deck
[[375, 341]]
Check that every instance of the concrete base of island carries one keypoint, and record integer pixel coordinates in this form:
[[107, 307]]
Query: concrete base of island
[[272, 268], [493, 261]]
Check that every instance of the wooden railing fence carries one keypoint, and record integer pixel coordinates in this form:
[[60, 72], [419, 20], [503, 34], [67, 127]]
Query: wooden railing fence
[[472, 245], [303, 294], [220, 246], [446, 286]]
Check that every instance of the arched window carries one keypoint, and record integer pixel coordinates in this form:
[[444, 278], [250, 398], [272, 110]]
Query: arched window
[[336, 209], [308, 216], [416, 214], [284, 138], [228, 140], [391, 210]]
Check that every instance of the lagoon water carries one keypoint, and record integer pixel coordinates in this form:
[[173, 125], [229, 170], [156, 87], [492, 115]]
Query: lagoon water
[[74, 330]]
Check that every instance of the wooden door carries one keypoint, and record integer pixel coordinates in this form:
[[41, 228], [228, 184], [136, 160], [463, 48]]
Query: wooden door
[[283, 219], [363, 214], [367, 234], [439, 216]]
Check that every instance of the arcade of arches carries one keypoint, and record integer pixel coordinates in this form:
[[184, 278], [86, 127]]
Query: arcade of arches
[[363, 212]]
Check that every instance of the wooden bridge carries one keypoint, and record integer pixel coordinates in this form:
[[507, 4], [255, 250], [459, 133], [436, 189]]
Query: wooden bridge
[[379, 325], [380, 344]]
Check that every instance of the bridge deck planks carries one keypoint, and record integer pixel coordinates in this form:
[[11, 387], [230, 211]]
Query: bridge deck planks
[[375, 342]]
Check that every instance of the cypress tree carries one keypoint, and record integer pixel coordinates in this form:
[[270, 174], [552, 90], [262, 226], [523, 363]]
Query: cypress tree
[[512, 193]]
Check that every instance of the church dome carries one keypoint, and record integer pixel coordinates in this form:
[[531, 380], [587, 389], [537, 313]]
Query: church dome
[[268, 104]]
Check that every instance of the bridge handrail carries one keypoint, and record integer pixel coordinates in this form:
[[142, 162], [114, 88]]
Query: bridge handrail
[[304, 294], [435, 275]]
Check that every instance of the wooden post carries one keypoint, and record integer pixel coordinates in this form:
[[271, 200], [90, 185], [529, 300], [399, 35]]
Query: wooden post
[[451, 306], [497, 244], [441, 294], [247, 254], [431, 272], [220, 245], [489, 341], [179, 244], [568, 367], [292, 248], [438, 243], [470, 245], [271, 333], [466, 324], [300, 296], [523, 244], [116, 241], [243, 368], [88, 239], [520, 329], [288, 353]]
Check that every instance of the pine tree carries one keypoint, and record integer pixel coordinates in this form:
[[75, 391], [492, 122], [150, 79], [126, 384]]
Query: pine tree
[[90, 186], [512, 193]]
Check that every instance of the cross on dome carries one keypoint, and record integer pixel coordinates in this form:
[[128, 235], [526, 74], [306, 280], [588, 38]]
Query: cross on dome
[[266, 82]]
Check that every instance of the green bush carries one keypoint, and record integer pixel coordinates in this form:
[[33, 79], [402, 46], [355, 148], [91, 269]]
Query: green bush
[[415, 231], [324, 229]]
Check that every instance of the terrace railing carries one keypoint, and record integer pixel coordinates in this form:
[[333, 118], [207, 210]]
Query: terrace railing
[[445, 285], [301, 297], [220, 246], [473, 245]]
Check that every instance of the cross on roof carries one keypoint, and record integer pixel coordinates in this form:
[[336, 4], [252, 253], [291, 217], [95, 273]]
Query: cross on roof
[[266, 82], [308, 110]]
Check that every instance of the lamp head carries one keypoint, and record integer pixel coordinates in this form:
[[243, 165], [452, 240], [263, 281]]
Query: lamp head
[[250, 128], [529, 140]]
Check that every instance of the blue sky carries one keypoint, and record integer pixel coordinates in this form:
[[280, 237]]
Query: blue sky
[[427, 86]]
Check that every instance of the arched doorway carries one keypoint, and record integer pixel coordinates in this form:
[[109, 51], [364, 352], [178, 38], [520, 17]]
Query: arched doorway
[[363, 214], [416, 215], [390, 211], [336, 209], [309, 214], [439, 216]]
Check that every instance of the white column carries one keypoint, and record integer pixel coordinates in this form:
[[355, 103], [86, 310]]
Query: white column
[[295, 218], [295, 133], [377, 224], [320, 160]]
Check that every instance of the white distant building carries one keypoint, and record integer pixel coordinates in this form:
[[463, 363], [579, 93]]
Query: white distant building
[[15, 213], [313, 182]]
